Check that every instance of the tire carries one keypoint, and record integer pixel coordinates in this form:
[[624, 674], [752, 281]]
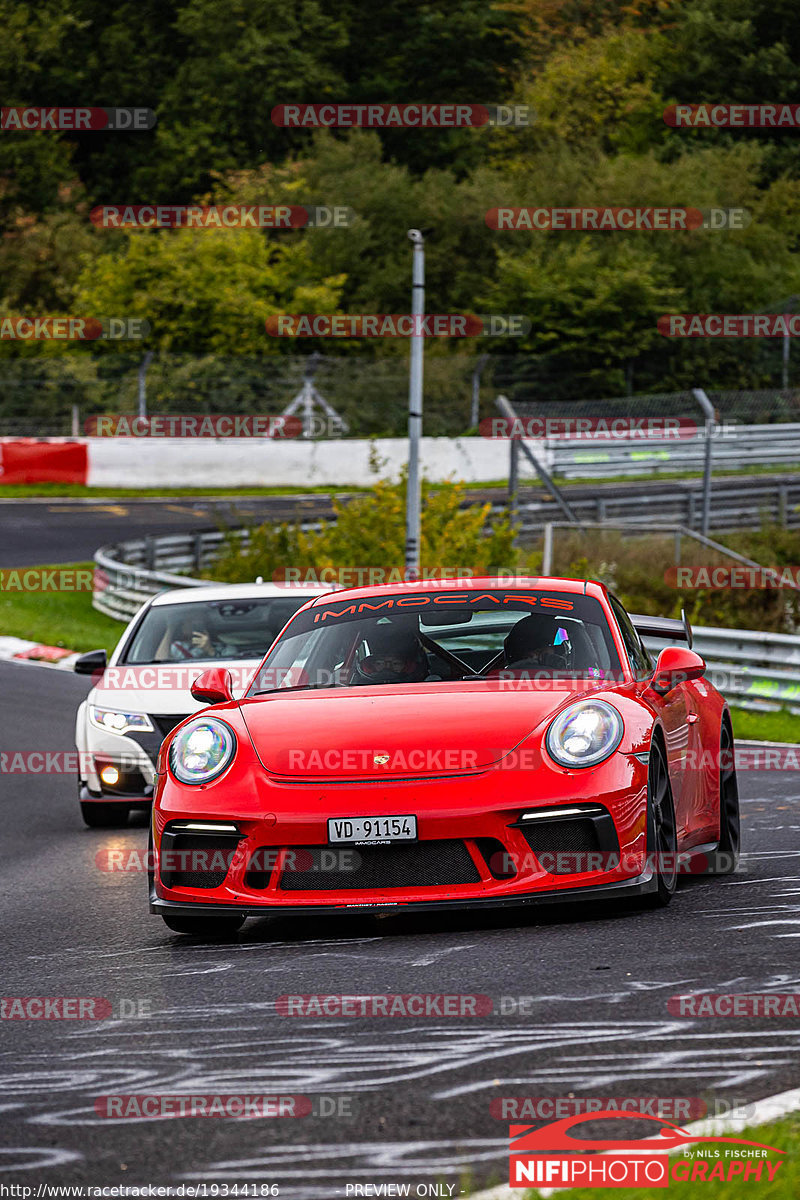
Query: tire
[[725, 859], [105, 816], [203, 926], [662, 836]]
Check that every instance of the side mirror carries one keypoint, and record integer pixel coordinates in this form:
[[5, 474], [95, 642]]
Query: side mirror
[[93, 663], [213, 686], [676, 665]]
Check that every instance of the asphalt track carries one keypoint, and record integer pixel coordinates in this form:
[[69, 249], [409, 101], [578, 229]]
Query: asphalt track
[[411, 1097], [71, 530]]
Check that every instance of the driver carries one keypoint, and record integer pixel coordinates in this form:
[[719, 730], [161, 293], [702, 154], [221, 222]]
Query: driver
[[395, 656], [531, 644], [192, 638]]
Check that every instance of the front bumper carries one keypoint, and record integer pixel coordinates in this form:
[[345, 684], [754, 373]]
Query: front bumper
[[624, 889], [474, 821]]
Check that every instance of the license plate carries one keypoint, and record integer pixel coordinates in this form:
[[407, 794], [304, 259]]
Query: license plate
[[372, 829]]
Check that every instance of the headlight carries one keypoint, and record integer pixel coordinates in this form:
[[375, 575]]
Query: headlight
[[114, 721], [584, 734], [201, 750]]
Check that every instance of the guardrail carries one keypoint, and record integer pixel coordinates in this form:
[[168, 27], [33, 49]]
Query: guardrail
[[129, 573], [734, 446], [754, 670], [735, 504]]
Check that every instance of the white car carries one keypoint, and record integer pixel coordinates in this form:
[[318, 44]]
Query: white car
[[143, 691]]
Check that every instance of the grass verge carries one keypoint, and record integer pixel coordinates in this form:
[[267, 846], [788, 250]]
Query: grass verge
[[58, 618], [781, 726]]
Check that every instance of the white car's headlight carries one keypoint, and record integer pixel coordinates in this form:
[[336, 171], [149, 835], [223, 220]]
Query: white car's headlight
[[584, 734], [202, 750], [112, 720]]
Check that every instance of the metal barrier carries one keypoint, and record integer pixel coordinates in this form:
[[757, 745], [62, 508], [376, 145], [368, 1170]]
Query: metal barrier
[[735, 504], [754, 670], [129, 573], [735, 447]]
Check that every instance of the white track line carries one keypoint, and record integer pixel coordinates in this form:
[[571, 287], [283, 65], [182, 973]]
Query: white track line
[[771, 1108]]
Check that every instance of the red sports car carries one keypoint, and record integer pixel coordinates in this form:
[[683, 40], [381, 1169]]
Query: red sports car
[[434, 745]]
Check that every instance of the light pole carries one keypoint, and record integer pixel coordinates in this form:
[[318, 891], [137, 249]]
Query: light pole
[[413, 491]]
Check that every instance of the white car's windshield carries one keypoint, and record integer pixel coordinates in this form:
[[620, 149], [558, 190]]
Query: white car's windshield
[[346, 644], [210, 629]]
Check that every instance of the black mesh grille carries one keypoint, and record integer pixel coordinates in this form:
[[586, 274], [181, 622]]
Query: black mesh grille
[[423, 864], [166, 724], [196, 861], [498, 860], [260, 866], [564, 843]]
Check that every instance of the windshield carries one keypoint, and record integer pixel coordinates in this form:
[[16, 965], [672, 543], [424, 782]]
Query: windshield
[[465, 636], [210, 629]]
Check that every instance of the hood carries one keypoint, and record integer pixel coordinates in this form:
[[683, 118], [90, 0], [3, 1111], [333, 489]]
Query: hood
[[426, 730]]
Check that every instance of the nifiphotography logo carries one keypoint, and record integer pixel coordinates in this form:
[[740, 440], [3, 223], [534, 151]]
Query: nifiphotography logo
[[555, 1156]]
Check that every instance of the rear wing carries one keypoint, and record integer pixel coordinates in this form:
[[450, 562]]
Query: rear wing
[[668, 628]]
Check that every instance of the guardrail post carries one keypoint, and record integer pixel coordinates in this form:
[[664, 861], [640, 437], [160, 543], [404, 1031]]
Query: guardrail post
[[677, 547], [690, 515], [198, 551], [149, 553], [601, 509], [783, 504]]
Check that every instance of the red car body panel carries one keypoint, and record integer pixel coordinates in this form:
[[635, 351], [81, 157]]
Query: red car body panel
[[493, 767]]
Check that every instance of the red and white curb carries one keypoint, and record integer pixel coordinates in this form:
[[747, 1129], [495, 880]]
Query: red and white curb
[[14, 649]]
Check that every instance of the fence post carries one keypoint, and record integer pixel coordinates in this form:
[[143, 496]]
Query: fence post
[[704, 402], [547, 549], [513, 475]]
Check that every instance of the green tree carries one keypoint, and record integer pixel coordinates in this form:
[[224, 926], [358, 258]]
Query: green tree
[[205, 289]]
